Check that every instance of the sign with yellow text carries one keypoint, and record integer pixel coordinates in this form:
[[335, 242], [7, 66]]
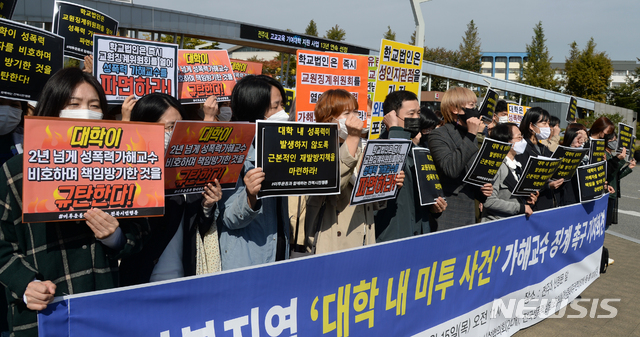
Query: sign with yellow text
[[203, 73], [201, 152], [242, 68], [73, 165]]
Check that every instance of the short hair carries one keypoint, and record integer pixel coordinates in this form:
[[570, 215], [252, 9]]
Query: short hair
[[332, 103], [455, 99], [533, 116], [553, 121], [251, 97], [502, 132], [601, 124], [151, 107], [57, 92], [502, 106], [393, 101], [571, 132]]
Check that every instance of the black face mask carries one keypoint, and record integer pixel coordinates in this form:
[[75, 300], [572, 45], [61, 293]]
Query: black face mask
[[469, 113], [412, 125], [608, 137]]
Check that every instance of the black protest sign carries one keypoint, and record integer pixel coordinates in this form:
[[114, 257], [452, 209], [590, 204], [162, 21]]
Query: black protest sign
[[382, 160], [6, 8], [591, 181], [30, 57], [535, 174], [290, 95], [298, 158], [625, 138], [487, 162], [77, 24], [571, 158], [596, 150], [572, 110], [429, 187], [488, 107]]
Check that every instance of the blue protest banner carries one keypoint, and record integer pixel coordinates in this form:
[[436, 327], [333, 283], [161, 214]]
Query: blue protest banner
[[425, 285]]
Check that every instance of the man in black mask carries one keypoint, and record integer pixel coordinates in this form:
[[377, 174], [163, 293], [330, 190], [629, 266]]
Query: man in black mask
[[403, 216]]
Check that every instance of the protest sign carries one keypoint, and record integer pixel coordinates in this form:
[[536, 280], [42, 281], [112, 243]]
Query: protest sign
[[201, 152], [516, 113], [535, 175], [488, 107], [487, 162], [203, 73], [504, 276], [6, 8], [376, 127], [382, 159], [318, 72], [127, 67], [73, 165], [429, 188], [596, 150], [571, 158], [591, 181], [572, 110], [242, 68], [298, 158], [77, 24], [31, 56], [400, 68], [290, 96], [373, 72], [625, 139]]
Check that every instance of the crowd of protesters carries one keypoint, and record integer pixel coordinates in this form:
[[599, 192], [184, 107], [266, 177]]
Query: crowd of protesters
[[223, 230]]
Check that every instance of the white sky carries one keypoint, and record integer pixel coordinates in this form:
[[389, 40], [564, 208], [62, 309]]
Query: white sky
[[503, 25]]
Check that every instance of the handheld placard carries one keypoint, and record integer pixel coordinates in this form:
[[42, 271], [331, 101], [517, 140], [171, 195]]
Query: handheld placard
[[488, 107], [591, 181], [571, 158], [572, 110], [596, 150], [625, 139], [429, 188], [535, 175], [487, 162]]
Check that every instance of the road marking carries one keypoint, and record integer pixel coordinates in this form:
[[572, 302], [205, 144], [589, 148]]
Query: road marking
[[634, 213], [628, 196]]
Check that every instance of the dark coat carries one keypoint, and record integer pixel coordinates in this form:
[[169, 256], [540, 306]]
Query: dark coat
[[548, 198]]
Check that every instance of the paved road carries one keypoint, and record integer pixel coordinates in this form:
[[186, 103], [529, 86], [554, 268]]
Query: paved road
[[629, 208]]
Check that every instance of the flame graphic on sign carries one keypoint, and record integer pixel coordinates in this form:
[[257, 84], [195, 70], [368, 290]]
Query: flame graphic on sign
[[137, 146], [47, 143]]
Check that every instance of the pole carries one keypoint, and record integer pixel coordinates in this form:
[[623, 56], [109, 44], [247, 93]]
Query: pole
[[417, 15]]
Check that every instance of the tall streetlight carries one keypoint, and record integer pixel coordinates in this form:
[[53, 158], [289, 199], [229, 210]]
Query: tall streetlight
[[417, 15]]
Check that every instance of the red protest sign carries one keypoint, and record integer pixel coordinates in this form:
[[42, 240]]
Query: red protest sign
[[200, 152], [72, 165], [242, 68], [318, 72], [202, 73]]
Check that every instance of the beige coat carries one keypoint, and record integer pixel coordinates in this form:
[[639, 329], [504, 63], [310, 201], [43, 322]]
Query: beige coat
[[342, 226]]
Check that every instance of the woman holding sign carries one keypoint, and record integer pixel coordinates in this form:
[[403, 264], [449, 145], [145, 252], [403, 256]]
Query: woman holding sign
[[575, 135], [330, 223], [39, 261], [170, 251], [454, 148], [501, 203]]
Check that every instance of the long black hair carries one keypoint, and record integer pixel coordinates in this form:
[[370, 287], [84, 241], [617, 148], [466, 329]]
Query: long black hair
[[571, 132], [502, 132], [151, 107], [251, 97], [57, 92], [533, 116]]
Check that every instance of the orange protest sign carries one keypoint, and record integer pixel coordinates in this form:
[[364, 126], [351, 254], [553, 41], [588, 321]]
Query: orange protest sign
[[318, 72], [202, 73], [72, 165], [243, 68], [200, 152]]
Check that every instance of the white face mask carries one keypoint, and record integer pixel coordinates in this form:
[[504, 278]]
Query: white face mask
[[225, 114], [503, 119], [279, 116], [342, 128], [81, 114], [167, 138], [10, 117], [366, 130], [520, 146], [545, 132]]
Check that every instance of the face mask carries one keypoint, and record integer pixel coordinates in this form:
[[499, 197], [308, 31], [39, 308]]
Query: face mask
[[9, 118], [167, 138], [412, 125], [520, 146], [279, 116], [225, 114], [612, 144], [544, 133], [81, 114], [469, 113], [503, 119], [366, 130], [342, 128]]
